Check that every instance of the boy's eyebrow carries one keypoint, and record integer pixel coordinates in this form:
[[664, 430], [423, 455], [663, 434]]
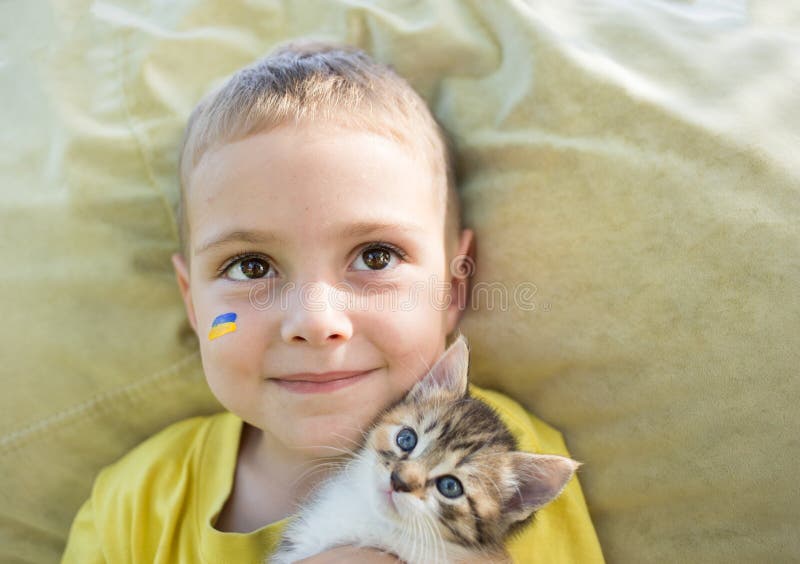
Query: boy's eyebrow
[[350, 230]]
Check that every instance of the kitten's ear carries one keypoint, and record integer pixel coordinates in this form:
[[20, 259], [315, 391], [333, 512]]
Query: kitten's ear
[[448, 375], [540, 479]]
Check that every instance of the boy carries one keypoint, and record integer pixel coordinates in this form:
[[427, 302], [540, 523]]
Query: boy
[[319, 218]]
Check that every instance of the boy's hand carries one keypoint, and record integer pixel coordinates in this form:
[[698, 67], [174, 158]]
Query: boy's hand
[[349, 554]]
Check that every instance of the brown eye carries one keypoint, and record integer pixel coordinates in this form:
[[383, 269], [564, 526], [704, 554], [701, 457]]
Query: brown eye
[[249, 268], [254, 268], [377, 257]]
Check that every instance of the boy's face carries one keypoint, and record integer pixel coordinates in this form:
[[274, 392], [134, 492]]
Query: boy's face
[[345, 268]]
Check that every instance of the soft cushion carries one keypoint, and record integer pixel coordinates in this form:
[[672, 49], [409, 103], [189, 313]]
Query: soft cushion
[[631, 171]]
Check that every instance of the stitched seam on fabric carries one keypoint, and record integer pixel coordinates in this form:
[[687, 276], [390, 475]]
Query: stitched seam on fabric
[[16, 438], [140, 145]]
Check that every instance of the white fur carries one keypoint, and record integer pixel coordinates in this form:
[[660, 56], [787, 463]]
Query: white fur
[[351, 509]]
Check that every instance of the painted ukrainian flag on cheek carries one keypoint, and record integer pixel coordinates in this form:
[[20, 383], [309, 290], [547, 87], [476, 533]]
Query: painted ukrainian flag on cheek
[[225, 323]]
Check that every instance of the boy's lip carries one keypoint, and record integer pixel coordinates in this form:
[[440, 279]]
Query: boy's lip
[[320, 383], [319, 377]]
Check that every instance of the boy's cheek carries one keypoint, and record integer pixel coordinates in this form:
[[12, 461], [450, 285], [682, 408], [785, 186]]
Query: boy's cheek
[[235, 349]]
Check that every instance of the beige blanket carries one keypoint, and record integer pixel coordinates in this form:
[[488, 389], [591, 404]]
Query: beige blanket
[[632, 171]]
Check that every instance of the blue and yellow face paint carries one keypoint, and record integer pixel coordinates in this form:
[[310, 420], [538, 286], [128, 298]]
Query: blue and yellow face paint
[[225, 323]]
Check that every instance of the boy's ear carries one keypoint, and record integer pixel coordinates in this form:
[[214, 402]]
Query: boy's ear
[[461, 269], [182, 275]]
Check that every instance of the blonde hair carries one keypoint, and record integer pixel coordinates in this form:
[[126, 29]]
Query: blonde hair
[[308, 81]]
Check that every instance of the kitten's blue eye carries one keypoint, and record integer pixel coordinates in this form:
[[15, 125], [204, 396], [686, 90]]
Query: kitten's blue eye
[[449, 486], [406, 439]]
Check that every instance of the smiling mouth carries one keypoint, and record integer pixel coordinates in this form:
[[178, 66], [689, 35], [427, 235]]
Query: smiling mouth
[[311, 383]]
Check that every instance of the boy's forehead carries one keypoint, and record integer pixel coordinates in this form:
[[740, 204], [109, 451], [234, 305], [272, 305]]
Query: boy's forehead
[[334, 179], [299, 150]]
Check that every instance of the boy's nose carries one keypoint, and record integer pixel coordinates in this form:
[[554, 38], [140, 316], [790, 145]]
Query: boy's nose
[[317, 316]]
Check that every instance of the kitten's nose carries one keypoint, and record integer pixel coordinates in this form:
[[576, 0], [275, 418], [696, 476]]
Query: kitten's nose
[[398, 484]]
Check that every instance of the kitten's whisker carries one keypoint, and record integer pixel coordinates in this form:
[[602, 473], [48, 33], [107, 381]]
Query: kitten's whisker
[[305, 463], [424, 363], [423, 537], [317, 462], [429, 543], [438, 542], [412, 369], [412, 539], [404, 533], [355, 443], [329, 447], [364, 433], [328, 463], [496, 487], [323, 466], [416, 539], [426, 546], [439, 539]]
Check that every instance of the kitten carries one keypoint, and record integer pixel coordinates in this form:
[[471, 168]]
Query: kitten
[[438, 479]]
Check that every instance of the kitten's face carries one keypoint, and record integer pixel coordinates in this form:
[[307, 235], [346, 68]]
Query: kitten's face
[[445, 462]]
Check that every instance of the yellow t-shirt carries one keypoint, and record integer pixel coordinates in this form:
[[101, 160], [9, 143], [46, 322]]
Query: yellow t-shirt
[[159, 502]]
